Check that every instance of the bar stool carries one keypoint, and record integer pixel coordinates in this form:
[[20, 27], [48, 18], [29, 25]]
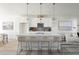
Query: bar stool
[[22, 45], [5, 38], [19, 47], [32, 42], [48, 41]]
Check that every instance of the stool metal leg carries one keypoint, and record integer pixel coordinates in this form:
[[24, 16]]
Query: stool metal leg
[[38, 45], [31, 42], [17, 49], [29, 45], [26, 48], [49, 47]]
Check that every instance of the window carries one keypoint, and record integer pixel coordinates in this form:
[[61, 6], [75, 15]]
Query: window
[[65, 25]]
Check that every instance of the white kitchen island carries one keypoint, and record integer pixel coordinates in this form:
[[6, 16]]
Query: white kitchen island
[[38, 42]]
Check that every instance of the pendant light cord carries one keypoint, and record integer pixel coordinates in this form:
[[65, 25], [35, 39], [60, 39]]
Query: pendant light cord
[[53, 11], [40, 12], [27, 10]]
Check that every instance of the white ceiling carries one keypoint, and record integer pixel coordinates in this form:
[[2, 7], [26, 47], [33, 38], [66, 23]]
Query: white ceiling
[[62, 9]]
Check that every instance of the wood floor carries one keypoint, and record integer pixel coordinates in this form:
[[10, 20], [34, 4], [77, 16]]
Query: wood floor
[[11, 49]]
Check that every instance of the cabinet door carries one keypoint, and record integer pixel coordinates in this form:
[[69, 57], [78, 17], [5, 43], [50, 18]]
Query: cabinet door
[[23, 28]]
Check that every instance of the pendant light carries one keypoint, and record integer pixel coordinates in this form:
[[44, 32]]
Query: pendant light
[[28, 20], [54, 18], [40, 16], [40, 11]]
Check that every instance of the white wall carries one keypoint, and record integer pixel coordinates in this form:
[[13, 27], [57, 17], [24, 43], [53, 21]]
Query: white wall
[[11, 18]]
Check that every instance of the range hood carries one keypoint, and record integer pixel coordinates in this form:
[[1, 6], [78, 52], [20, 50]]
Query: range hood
[[40, 27]]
